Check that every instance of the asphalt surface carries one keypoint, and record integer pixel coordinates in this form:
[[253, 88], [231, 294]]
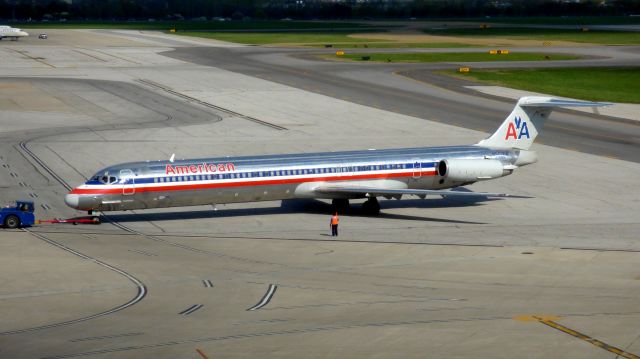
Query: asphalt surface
[[376, 85], [553, 275]]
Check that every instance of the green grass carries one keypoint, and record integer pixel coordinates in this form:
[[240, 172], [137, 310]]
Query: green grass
[[453, 57], [264, 38], [401, 45], [595, 84], [573, 35], [548, 20], [192, 25], [338, 39]]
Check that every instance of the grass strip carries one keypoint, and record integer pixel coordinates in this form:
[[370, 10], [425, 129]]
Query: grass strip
[[594, 84], [336, 38], [554, 20], [452, 57], [572, 35], [401, 45]]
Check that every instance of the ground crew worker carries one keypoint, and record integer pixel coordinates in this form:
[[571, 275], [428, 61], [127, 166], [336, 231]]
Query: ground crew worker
[[334, 225]]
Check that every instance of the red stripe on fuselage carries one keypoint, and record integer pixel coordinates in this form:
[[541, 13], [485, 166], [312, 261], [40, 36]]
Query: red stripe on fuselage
[[188, 187]]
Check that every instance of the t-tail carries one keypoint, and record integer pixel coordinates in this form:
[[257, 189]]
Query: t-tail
[[525, 122]]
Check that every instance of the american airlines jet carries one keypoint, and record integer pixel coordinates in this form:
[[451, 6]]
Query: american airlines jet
[[11, 32], [339, 176]]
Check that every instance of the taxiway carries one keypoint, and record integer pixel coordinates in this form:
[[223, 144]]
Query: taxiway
[[502, 279]]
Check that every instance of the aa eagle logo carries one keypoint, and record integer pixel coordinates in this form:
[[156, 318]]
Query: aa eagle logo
[[517, 129]]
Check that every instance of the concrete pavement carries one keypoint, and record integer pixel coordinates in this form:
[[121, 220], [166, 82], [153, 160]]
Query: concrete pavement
[[449, 278]]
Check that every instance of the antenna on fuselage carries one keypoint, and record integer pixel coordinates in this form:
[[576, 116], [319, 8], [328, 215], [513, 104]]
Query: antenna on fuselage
[[173, 157]]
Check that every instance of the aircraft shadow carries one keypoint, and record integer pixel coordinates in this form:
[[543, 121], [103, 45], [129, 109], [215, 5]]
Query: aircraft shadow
[[312, 206]]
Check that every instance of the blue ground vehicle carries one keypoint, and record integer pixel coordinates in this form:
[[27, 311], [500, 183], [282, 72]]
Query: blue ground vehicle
[[20, 215]]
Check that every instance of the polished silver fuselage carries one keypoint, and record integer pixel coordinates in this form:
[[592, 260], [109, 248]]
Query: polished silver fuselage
[[157, 184]]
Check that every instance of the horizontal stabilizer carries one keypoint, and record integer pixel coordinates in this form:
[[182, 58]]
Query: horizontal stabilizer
[[532, 101]]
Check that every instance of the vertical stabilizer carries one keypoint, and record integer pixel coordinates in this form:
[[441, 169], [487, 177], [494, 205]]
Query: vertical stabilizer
[[525, 122]]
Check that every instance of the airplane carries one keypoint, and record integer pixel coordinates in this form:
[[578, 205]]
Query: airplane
[[11, 32], [338, 176]]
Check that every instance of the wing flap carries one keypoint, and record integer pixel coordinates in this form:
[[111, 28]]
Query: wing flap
[[374, 192]]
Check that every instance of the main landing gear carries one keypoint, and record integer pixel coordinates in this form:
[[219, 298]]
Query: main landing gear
[[340, 205], [371, 206]]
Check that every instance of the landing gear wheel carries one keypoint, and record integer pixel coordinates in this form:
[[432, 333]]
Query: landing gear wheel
[[371, 206], [12, 222], [340, 205]]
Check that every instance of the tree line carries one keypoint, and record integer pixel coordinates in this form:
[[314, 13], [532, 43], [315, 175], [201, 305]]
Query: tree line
[[304, 9]]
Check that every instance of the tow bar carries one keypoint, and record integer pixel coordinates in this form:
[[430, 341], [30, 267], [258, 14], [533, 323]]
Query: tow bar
[[74, 221]]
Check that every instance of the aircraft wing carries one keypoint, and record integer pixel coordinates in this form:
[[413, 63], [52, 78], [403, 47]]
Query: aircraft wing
[[384, 192]]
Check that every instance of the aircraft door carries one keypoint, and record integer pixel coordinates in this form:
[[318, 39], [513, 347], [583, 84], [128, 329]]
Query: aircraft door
[[417, 168], [128, 182]]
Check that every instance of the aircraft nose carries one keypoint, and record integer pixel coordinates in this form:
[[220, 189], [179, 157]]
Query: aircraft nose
[[72, 200], [23, 33]]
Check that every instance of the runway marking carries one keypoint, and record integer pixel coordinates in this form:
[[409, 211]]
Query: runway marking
[[117, 57], [84, 53], [143, 253], [571, 129], [549, 320], [207, 104], [141, 287], [191, 309], [38, 59], [250, 335], [202, 354], [106, 337], [342, 241], [601, 249], [207, 283], [266, 298]]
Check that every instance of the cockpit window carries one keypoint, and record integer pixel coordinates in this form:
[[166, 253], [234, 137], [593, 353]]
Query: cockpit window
[[105, 178]]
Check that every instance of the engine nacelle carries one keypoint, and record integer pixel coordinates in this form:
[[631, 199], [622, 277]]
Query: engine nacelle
[[470, 170]]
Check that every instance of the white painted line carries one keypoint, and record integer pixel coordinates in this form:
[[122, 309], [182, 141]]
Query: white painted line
[[267, 297]]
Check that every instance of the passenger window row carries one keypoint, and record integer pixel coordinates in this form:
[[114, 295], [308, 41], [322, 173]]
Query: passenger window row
[[295, 172]]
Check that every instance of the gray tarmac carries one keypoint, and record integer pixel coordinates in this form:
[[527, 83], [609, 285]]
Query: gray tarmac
[[436, 277], [379, 85]]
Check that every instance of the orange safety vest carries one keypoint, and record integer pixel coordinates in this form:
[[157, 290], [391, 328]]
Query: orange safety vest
[[334, 220]]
